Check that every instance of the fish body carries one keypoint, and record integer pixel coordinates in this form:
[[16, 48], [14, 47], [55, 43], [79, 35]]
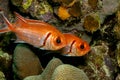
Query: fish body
[[36, 33], [75, 46]]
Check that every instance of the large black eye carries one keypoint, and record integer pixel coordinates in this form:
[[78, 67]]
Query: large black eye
[[82, 46], [58, 41]]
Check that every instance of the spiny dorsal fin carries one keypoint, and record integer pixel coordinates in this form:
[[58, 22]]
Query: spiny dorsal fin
[[6, 21], [34, 21], [20, 19]]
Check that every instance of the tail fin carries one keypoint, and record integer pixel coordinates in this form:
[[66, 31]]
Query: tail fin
[[7, 22]]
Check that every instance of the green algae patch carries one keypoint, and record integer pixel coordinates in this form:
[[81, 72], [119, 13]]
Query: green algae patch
[[27, 4], [44, 8]]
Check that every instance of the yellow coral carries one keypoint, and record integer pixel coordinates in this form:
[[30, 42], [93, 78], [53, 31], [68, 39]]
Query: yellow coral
[[63, 13]]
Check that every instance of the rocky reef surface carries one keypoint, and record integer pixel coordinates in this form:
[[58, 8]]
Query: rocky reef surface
[[95, 21]]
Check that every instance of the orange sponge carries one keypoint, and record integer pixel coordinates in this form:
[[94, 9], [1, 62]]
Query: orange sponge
[[63, 13]]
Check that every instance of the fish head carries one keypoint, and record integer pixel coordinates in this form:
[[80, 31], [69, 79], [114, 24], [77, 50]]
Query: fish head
[[75, 46], [55, 41], [80, 48]]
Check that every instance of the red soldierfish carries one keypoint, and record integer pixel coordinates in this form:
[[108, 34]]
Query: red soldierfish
[[75, 46], [36, 33]]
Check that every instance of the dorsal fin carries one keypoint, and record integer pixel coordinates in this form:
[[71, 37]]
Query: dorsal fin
[[34, 21], [20, 19], [6, 21]]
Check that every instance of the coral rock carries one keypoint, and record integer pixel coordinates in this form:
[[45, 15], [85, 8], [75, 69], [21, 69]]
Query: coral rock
[[25, 62], [68, 72], [110, 7], [47, 73], [55, 62], [56, 70]]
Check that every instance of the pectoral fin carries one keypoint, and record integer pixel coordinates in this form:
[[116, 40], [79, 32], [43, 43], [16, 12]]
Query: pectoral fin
[[4, 30]]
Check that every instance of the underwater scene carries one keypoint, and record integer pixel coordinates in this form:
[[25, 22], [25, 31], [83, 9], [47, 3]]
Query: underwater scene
[[59, 39]]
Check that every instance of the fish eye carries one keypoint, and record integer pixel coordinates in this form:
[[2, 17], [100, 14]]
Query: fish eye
[[82, 46], [58, 40]]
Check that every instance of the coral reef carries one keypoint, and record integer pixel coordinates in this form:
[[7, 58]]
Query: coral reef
[[95, 21], [99, 63]]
